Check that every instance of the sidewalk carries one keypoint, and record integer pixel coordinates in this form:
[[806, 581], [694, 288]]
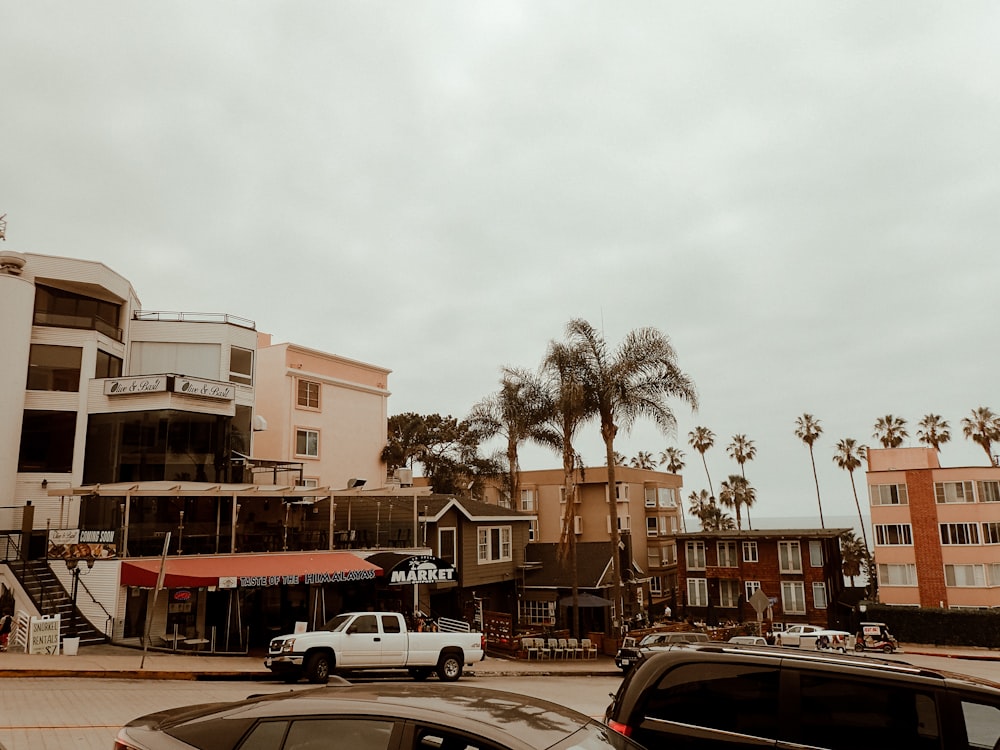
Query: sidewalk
[[124, 663]]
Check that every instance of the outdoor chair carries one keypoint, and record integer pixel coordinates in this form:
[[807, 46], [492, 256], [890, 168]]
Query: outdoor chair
[[573, 648], [564, 647], [544, 651], [588, 648], [530, 646], [554, 648]]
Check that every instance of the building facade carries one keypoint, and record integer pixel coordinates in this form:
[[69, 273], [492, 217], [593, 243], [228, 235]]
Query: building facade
[[936, 530], [800, 571]]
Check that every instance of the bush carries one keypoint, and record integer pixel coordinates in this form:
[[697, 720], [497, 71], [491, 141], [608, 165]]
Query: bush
[[941, 627]]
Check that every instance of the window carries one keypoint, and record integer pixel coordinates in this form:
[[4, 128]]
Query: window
[[815, 553], [448, 545], [729, 593], [727, 554], [989, 492], [991, 533], [494, 544], [751, 588], [982, 723], [750, 552], [697, 592], [695, 555], [307, 443], [652, 527], [57, 307], [953, 492], [562, 495], [650, 497], [819, 595], [241, 365], [624, 523], [652, 557], [47, 439], [666, 497], [157, 357], [621, 492], [108, 365], [888, 494], [897, 574], [994, 570], [390, 624], [54, 368], [533, 530], [537, 613], [887, 534], [362, 734], [577, 524], [656, 585], [308, 394], [964, 576], [959, 533], [789, 557], [793, 597], [527, 499]]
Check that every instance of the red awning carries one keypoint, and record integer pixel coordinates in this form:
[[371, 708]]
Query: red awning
[[229, 571]]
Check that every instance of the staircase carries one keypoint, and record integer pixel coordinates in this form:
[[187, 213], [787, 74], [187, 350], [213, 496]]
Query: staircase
[[49, 596]]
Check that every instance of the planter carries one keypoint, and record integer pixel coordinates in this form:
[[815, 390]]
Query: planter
[[71, 646]]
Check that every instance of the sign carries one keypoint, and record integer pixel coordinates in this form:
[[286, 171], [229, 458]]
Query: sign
[[135, 385], [227, 582], [292, 579], [422, 569], [204, 388], [43, 635], [759, 601], [78, 544]]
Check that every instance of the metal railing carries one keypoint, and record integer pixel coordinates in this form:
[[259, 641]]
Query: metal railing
[[193, 317]]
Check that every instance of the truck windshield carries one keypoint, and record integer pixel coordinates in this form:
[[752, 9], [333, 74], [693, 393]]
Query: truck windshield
[[337, 623]]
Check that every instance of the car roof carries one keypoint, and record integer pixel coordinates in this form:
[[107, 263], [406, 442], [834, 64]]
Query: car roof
[[513, 719]]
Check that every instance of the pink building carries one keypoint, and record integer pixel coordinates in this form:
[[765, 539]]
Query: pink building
[[936, 530]]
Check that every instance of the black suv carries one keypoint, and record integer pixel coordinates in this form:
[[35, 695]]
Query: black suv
[[632, 653], [728, 696]]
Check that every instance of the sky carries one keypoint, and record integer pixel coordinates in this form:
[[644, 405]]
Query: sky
[[802, 196]]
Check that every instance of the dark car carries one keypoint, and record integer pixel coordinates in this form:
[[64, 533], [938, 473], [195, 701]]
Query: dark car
[[723, 695], [632, 653], [373, 717]]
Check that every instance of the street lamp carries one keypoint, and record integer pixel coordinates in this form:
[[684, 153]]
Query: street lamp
[[72, 563]]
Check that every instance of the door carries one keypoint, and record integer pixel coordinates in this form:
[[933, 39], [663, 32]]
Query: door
[[394, 641], [362, 643]]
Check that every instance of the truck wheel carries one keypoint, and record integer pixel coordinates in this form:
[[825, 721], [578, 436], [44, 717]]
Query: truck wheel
[[859, 646], [318, 668], [449, 668], [420, 673]]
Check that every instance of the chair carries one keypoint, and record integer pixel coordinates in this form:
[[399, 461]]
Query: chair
[[530, 646], [573, 648], [555, 649], [544, 649], [588, 648], [564, 647]]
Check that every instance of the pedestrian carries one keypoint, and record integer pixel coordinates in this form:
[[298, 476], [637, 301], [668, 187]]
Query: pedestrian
[[6, 622]]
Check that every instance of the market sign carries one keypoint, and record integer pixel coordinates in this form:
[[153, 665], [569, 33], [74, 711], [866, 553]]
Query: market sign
[[422, 569]]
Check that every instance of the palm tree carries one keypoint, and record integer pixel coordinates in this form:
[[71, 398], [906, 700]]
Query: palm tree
[[673, 458], [701, 439], [633, 381], [890, 431], [934, 431], [736, 492], [848, 456], [708, 513], [643, 460], [567, 409], [516, 413], [983, 428], [742, 450], [853, 555], [807, 430]]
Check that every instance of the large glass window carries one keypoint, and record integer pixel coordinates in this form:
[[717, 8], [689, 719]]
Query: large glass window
[[108, 365], [727, 554], [819, 596], [789, 557], [54, 368], [815, 553], [494, 544], [47, 439], [991, 532], [953, 492], [888, 494], [888, 534], [729, 593], [793, 597], [537, 613], [695, 555], [64, 309], [989, 492], [241, 366], [307, 443], [959, 533], [750, 552], [892, 574], [967, 576], [190, 359], [697, 589]]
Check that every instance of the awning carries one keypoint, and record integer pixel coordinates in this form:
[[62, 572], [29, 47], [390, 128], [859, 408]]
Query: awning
[[230, 571], [404, 569]]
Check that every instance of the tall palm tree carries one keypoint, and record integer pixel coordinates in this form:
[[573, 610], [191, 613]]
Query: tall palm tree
[[673, 458], [853, 555], [701, 439], [568, 408], [709, 514], [890, 431], [643, 460], [934, 431], [848, 456], [808, 430], [736, 493], [516, 413], [983, 428], [633, 381], [741, 450]]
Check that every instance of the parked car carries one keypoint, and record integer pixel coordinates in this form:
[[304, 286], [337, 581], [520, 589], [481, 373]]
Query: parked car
[[749, 640], [632, 652], [834, 640], [394, 716], [372, 640], [790, 636], [733, 696]]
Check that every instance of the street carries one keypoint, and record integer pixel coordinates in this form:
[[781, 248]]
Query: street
[[86, 713]]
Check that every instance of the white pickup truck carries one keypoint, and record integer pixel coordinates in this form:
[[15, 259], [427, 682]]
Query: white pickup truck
[[372, 640]]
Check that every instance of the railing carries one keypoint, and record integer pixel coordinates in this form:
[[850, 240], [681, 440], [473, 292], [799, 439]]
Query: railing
[[10, 546], [108, 618], [447, 625], [194, 317]]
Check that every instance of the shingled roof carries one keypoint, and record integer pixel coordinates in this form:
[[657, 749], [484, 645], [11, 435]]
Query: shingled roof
[[593, 561]]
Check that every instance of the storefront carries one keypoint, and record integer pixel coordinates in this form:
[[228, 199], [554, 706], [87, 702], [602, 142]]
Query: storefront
[[229, 603], [415, 583]]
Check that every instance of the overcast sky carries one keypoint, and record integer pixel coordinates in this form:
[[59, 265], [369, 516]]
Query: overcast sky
[[805, 197]]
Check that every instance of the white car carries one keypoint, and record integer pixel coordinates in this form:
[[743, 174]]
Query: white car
[[749, 640], [791, 635]]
